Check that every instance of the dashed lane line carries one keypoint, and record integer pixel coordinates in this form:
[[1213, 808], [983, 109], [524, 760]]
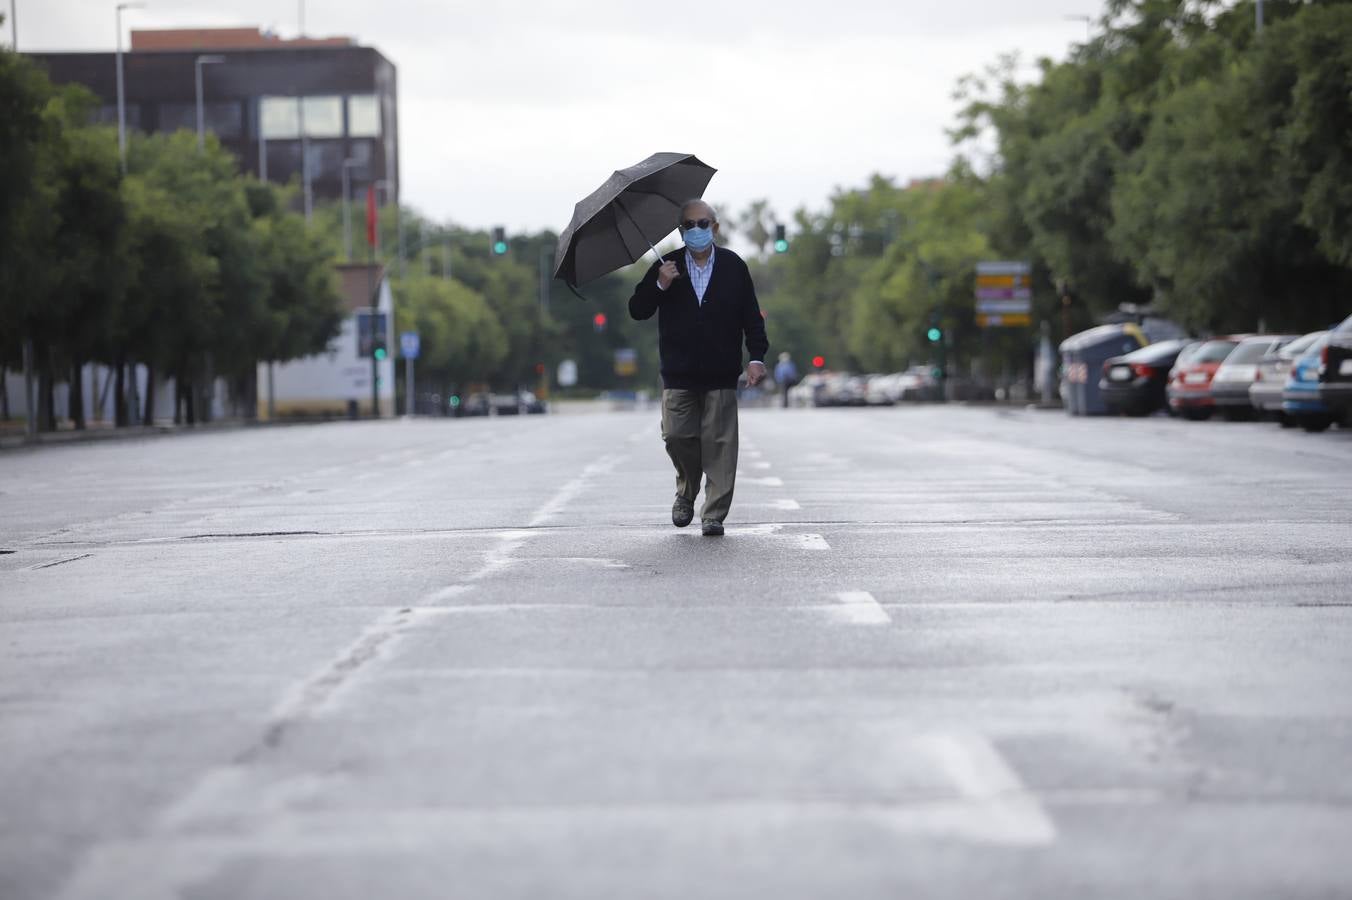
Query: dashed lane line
[[859, 608]]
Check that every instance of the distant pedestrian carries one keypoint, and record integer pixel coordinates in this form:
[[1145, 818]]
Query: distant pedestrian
[[786, 376], [706, 308]]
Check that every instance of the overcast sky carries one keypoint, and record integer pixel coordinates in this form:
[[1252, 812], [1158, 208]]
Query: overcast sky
[[510, 112]]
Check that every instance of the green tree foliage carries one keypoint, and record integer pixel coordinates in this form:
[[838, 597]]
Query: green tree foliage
[[180, 265], [1176, 159]]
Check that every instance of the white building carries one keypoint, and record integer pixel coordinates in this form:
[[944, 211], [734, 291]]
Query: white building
[[338, 381]]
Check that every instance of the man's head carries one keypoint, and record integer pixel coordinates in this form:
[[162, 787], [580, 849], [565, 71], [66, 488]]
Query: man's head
[[699, 225]]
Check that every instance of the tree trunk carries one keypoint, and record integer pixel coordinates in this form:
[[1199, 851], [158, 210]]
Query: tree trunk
[[133, 395], [149, 418], [189, 410], [119, 392], [75, 400], [46, 391]]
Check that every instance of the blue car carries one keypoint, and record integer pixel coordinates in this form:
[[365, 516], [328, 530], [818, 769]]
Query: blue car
[[1300, 396]]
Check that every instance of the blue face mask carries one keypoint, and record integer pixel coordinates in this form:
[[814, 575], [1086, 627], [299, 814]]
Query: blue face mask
[[699, 239]]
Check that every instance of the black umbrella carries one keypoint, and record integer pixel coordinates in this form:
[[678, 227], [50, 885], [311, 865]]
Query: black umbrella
[[623, 218]]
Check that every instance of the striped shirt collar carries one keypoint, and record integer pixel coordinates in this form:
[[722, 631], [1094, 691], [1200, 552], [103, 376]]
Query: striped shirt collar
[[699, 277]]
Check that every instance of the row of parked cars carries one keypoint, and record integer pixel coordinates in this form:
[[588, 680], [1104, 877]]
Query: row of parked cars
[[844, 389], [1300, 380]]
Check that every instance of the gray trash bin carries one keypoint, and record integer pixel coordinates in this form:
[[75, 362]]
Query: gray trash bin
[[1083, 356]]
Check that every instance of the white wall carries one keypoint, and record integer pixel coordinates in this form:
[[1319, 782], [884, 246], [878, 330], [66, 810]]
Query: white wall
[[328, 382]]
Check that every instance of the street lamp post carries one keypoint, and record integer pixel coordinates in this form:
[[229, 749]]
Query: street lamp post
[[121, 89], [1258, 16], [348, 165], [208, 60]]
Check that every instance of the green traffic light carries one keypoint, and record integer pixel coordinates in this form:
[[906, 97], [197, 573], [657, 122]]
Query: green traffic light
[[781, 246], [500, 248], [455, 400], [934, 334], [380, 353]]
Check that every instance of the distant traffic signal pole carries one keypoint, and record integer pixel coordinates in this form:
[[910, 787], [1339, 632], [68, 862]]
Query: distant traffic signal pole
[[781, 240]]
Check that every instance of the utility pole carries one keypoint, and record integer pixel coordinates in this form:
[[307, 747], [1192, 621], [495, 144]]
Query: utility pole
[[14, 24], [1258, 16]]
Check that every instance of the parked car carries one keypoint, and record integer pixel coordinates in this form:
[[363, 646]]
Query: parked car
[[1134, 383], [1335, 373], [1265, 394], [1189, 388], [1233, 378], [474, 404], [1300, 397], [880, 390]]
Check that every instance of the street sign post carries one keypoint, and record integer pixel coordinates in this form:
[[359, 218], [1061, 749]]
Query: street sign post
[[626, 362], [409, 346], [567, 374], [1004, 294]]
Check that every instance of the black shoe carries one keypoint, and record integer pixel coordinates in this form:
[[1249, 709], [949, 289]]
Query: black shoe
[[711, 528], [682, 511]]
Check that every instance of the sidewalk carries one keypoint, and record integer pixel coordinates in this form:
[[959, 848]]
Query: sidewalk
[[13, 437]]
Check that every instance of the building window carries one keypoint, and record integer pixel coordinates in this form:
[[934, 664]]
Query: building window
[[363, 116], [324, 117], [281, 119]]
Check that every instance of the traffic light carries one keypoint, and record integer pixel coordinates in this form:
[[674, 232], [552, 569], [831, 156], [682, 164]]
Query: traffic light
[[818, 362], [499, 240], [599, 322], [781, 241], [935, 334]]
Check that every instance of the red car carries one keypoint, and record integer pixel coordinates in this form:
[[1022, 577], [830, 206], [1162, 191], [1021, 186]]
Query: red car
[[1190, 381]]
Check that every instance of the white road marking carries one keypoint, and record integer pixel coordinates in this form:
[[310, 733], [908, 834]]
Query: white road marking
[[810, 541], [315, 693], [859, 608], [450, 592], [569, 491], [770, 481], [760, 465], [786, 504], [1001, 808]]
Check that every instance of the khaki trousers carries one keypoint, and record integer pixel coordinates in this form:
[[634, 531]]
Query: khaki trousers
[[700, 430]]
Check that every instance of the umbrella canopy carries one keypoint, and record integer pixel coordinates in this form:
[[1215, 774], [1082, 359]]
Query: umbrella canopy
[[623, 218]]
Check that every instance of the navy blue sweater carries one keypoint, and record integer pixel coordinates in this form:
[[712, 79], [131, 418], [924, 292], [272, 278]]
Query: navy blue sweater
[[701, 344]]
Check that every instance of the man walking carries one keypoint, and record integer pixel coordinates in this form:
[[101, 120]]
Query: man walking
[[706, 307]]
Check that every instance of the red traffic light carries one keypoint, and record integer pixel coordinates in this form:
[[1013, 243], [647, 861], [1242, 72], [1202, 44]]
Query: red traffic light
[[539, 368], [599, 321], [818, 362]]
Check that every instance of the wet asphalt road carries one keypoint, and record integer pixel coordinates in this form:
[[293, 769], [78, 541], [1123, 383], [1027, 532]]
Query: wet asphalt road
[[940, 653]]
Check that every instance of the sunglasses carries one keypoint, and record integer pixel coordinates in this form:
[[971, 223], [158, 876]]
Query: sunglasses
[[690, 223]]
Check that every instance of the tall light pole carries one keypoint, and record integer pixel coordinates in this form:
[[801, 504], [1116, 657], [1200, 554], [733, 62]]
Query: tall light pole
[[1258, 16], [121, 89], [348, 165], [14, 24], [208, 60], [262, 146], [306, 192]]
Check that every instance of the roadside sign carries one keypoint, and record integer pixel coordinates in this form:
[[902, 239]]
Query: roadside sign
[[1004, 293], [626, 362], [409, 345], [567, 373], [372, 332]]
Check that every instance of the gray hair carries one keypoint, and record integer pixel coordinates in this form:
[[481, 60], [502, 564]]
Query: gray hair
[[713, 213]]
